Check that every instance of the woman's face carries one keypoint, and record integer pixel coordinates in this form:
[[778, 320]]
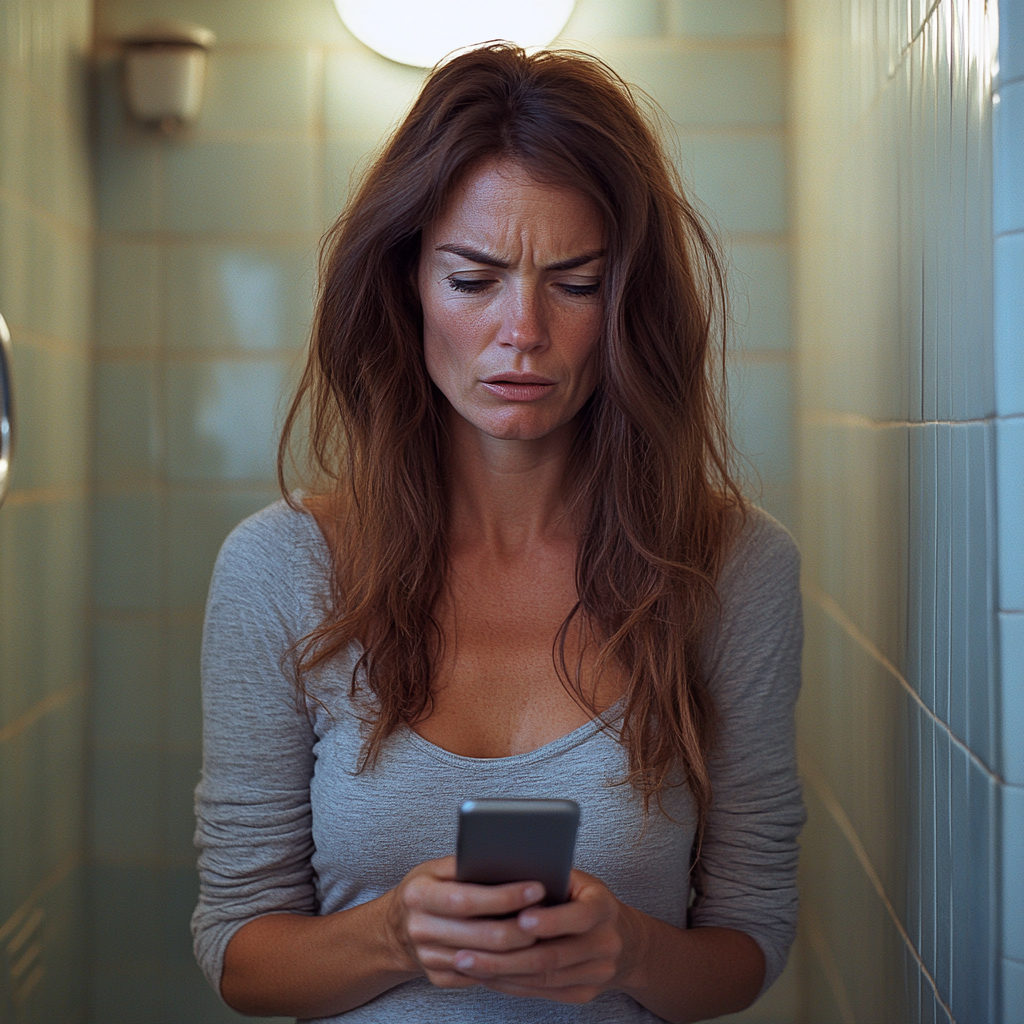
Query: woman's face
[[510, 282]]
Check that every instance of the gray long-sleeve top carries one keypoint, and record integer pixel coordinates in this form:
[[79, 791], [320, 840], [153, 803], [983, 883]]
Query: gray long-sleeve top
[[286, 824]]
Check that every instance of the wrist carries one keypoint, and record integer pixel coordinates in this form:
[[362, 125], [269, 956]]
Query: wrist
[[636, 947], [394, 936]]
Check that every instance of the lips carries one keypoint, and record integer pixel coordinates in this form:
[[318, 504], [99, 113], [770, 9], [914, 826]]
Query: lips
[[518, 387]]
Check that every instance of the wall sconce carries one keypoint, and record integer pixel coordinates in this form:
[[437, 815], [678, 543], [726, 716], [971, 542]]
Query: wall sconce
[[164, 70], [424, 32]]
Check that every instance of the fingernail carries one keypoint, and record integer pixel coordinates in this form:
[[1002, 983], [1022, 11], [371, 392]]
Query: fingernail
[[528, 921], [533, 892], [464, 961]]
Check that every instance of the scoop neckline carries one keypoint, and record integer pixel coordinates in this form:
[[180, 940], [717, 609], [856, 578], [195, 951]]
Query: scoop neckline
[[559, 745]]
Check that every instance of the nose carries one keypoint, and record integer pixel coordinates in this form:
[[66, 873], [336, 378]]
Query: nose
[[523, 322]]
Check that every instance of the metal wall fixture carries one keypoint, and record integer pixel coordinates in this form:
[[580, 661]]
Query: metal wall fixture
[[164, 72], [6, 410]]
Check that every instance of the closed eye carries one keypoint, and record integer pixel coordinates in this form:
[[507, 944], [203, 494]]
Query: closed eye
[[581, 289], [467, 285]]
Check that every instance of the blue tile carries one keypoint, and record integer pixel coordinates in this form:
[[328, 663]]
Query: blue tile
[[979, 598], [978, 921], [963, 889], [1013, 991], [1012, 871], [1008, 271], [1011, 695], [959, 583], [1010, 511], [914, 818], [761, 400], [1011, 58], [929, 499], [943, 582], [915, 556], [928, 820], [1008, 158], [943, 866]]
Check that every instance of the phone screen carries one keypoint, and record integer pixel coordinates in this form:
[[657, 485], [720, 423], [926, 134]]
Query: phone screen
[[518, 841]]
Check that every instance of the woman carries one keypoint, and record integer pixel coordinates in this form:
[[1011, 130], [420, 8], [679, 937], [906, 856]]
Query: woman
[[523, 570]]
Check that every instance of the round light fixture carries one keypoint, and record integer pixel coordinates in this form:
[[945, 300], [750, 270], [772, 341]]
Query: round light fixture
[[423, 32]]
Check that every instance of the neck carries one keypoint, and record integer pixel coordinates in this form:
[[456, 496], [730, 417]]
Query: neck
[[507, 495]]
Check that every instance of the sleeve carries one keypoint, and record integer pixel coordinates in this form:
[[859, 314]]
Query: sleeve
[[253, 818], [748, 875]]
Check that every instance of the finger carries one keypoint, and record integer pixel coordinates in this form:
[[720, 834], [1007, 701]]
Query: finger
[[462, 933], [573, 918], [450, 979], [541, 959], [464, 899]]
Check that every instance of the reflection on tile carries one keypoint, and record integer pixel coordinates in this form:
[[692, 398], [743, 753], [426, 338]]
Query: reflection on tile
[[366, 94], [591, 22], [1008, 159], [252, 90], [239, 297], [1011, 709], [1012, 871], [727, 18], [1010, 505], [247, 186], [222, 419]]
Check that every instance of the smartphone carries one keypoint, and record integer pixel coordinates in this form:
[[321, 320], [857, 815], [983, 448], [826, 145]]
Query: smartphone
[[518, 841]]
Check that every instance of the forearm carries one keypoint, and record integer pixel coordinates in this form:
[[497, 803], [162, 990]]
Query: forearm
[[692, 974], [293, 965]]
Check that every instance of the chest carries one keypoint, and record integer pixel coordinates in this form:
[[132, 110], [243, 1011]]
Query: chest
[[497, 691]]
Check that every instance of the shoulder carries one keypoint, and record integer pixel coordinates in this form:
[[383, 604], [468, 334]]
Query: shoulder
[[763, 558], [277, 551]]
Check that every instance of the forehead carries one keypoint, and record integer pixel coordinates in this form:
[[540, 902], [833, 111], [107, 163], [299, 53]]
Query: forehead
[[501, 197]]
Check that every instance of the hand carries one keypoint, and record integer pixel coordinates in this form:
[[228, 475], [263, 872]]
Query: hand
[[433, 917], [582, 948]]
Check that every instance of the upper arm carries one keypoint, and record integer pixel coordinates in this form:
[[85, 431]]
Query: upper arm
[[750, 849], [252, 804]]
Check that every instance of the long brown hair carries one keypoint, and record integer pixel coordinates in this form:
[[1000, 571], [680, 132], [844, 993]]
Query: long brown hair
[[651, 473]]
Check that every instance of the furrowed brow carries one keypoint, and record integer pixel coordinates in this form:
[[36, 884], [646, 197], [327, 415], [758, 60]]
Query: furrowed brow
[[474, 254], [576, 261]]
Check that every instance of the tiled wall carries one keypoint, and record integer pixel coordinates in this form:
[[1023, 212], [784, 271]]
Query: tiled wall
[[206, 251], [900, 456], [45, 282], [1008, 217]]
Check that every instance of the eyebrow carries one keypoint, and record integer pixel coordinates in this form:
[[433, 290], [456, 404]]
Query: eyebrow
[[477, 256]]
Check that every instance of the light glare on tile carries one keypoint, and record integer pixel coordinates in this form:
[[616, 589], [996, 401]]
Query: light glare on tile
[[424, 32]]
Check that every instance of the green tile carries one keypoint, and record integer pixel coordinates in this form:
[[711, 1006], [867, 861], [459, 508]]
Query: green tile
[[14, 137], [125, 800], [277, 22], [183, 714], [127, 906], [707, 87], [249, 186], [366, 95], [126, 423], [22, 803], [222, 419], [62, 998], [43, 591], [73, 323], [42, 155], [760, 400], [759, 294], [240, 297], [346, 159], [126, 551], [126, 183], [64, 800], [52, 401], [180, 774], [197, 526], [127, 687], [13, 245], [260, 90], [597, 20], [740, 180], [717, 19], [128, 296]]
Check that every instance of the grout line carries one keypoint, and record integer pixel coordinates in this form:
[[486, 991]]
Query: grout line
[[59, 873], [823, 417], [834, 610], [52, 702], [823, 952], [42, 495], [810, 770]]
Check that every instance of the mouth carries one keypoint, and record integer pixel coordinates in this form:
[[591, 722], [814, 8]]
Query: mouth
[[518, 387]]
